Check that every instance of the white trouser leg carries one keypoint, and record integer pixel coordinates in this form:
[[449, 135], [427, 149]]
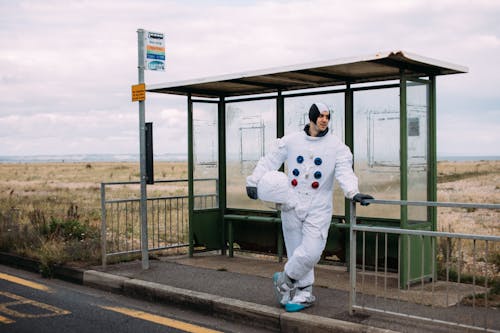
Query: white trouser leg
[[304, 244]]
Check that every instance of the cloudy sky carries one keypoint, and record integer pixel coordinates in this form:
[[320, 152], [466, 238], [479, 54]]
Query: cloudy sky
[[66, 66]]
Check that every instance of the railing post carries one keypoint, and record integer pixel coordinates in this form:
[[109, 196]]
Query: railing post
[[352, 256], [103, 225]]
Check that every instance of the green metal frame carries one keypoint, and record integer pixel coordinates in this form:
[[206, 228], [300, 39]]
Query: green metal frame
[[190, 174], [349, 141], [222, 168], [417, 251], [204, 225]]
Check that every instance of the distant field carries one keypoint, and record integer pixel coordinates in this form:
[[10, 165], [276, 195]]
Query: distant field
[[53, 187], [477, 182]]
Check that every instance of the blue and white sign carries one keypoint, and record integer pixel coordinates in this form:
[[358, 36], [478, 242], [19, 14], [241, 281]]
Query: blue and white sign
[[154, 51]]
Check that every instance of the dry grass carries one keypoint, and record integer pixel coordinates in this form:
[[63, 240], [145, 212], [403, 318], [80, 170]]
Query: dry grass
[[38, 199], [469, 182]]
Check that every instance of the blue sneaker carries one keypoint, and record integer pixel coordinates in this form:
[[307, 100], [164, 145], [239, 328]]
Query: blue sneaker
[[283, 288]]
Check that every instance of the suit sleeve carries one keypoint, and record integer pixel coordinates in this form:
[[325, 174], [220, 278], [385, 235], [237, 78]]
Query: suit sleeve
[[344, 172], [269, 162]]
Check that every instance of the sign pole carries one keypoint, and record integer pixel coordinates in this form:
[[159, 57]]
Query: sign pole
[[142, 137]]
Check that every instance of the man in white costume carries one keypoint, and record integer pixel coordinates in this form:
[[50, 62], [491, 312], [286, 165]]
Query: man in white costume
[[314, 158]]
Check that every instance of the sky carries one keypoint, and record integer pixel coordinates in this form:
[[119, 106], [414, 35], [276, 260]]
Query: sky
[[66, 67]]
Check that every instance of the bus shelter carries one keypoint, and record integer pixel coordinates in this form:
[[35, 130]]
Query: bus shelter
[[383, 106]]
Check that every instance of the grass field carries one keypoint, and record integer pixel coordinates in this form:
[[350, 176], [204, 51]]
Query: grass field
[[52, 210], [477, 182]]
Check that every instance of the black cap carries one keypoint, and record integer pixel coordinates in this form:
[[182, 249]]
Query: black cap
[[316, 109]]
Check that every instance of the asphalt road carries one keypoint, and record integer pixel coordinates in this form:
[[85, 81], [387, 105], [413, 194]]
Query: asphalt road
[[29, 303]]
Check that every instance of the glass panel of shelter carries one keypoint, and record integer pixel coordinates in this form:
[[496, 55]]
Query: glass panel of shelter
[[376, 148], [250, 133], [417, 97], [206, 155]]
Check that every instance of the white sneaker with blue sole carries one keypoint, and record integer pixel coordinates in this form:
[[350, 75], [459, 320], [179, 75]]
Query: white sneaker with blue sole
[[302, 299]]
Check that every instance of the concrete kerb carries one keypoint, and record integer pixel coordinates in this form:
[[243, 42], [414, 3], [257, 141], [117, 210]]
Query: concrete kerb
[[170, 295], [250, 313], [306, 323], [232, 309], [104, 281]]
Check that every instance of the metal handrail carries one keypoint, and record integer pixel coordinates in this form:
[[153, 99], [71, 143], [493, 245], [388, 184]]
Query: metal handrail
[[423, 233], [156, 181], [434, 204], [159, 198]]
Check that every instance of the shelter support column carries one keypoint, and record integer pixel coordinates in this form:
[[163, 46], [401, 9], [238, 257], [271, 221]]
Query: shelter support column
[[403, 149], [404, 252], [349, 141], [432, 160], [280, 115], [190, 173], [280, 132], [432, 165], [349, 133], [221, 188]]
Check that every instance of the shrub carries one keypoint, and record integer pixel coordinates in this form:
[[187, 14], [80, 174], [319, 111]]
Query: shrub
[[67, 229]]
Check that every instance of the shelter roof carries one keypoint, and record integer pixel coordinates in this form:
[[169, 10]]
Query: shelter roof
[[382, 66]]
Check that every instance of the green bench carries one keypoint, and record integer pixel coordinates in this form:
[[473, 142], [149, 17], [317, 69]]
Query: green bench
[[232, 218]]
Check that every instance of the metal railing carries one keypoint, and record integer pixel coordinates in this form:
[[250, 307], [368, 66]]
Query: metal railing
[[456, 273], [167, 216]]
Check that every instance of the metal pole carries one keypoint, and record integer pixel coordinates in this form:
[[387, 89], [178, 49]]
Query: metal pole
[[432, 160], [142, 137], [352, 256], [103, 225], [190, 174], [403, 158], [349, 141], [280, 115], [432, 167], [280, 132], [221, 190], [403, 147]]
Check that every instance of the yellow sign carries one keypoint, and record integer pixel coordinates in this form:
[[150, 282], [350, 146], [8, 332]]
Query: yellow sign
[[139, 92]]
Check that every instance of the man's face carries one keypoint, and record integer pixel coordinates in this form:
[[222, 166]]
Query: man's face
[[322, 121]]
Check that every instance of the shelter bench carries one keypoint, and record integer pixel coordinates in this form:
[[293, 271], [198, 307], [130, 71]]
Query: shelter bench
[[232, 218]]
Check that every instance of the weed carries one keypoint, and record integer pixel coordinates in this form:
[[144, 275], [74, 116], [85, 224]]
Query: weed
[[51, 253]]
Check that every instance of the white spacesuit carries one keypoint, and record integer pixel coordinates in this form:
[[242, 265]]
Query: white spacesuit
[[313, 162]]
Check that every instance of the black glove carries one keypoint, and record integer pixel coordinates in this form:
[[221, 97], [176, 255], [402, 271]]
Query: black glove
[[252, 192], [360, 197]]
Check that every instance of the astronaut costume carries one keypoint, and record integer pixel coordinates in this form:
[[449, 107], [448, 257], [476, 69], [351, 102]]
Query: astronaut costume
[[313, 163]]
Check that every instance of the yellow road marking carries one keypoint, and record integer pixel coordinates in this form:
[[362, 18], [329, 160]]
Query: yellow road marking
[[5, 320], [161, 320], [6, 307], [24, 282]]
